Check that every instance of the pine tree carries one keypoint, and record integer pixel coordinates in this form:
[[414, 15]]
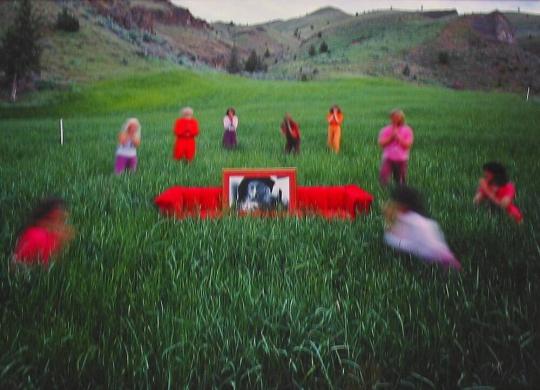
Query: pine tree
[[312, 51], [323, 48], [20, 50], [252, 63], [234, 64]]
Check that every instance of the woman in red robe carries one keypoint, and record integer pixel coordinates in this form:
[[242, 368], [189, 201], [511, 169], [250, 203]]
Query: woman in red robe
[[185, 129]]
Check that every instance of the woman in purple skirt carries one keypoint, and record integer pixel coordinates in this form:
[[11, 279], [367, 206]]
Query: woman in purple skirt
[[129, 140], [230, 124]]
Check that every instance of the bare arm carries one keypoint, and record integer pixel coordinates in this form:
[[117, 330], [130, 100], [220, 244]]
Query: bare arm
[[487, 192], [122, 138]]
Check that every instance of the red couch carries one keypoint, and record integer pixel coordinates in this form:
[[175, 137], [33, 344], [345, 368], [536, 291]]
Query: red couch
[[206, 202], [333, 201]]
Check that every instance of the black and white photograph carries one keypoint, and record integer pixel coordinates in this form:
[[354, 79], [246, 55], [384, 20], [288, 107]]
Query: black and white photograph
[[263, 193]]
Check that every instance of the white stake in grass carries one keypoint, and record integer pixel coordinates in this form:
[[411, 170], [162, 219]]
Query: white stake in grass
[[528, 90], [61, 131]]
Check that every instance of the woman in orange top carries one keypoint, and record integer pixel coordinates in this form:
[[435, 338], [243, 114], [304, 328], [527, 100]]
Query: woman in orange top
[[334, 119], [186, 129]]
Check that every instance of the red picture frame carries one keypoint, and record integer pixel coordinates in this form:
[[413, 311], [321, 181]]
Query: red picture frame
[[259, 190]]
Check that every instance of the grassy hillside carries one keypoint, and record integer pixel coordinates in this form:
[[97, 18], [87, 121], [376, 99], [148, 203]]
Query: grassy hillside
[[138, 300], [368, 44]]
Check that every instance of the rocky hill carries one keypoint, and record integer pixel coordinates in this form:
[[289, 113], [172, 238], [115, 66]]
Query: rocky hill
[[495, 51], [478, 52]]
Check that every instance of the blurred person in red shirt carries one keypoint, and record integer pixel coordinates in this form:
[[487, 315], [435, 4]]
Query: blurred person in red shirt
[[46, 234], [185, 129]]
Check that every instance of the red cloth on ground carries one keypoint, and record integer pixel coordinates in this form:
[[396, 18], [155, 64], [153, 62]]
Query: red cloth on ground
[[185, 130], [36, 245]]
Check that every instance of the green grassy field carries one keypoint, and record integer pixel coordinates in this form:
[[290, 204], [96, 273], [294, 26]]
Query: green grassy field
[[138, 300]]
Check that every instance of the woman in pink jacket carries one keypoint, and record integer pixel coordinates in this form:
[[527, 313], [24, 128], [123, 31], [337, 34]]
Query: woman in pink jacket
[[395, 140]]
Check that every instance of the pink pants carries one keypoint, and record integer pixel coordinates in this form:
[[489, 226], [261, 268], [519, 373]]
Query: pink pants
[[123, 163], [398, 169]]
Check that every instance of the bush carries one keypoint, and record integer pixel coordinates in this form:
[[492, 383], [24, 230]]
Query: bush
[[254, 63], [444, 58], [323, 48], [234, 63], [66, 21], [312, 51], [406, 71]]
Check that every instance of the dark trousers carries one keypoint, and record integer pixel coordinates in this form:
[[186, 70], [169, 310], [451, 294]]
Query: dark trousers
[[293, 145]]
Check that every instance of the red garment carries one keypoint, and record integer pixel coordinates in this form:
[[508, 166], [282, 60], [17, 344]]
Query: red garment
[[509, 190], [293, 132], [37, 245], [184, 148], [185, 129]]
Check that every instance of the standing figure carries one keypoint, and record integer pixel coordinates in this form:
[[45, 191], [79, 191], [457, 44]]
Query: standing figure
[[129, 140], [230, 124], [291, 131], [411, 231], [186, 129], [396, 140], [496, 188], [45, 235], [334, 119]]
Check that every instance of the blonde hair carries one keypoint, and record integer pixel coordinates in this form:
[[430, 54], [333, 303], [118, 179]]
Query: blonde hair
[[186, 111], [399, 115], [135, 122]]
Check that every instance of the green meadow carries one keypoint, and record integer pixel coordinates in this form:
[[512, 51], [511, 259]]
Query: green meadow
[[138, 300]]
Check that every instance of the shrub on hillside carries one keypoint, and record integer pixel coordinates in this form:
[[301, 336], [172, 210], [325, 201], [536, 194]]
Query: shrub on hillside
[[406, 71], [444, 58], [234, 63], [312, 51], [323, 48], [66, 21], [254, 63]]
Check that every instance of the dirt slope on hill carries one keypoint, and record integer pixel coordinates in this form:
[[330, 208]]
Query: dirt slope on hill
[[478, 52]]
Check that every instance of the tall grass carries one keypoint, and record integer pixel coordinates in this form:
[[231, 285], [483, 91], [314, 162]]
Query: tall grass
[[138, 300]]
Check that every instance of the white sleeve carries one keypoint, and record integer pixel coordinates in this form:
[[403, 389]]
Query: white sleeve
[[226, 122], [235, 122], [419, 236]]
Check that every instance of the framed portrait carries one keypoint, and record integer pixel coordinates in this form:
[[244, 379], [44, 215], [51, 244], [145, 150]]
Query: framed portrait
[[264, 190]]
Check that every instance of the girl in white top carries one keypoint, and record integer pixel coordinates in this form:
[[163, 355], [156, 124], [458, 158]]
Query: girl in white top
[[129, 140], [230, 124], [409, 230]]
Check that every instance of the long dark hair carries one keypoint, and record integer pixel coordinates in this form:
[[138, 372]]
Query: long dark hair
[[409, 198], [335, 106], [44, 208], [500, 177]]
